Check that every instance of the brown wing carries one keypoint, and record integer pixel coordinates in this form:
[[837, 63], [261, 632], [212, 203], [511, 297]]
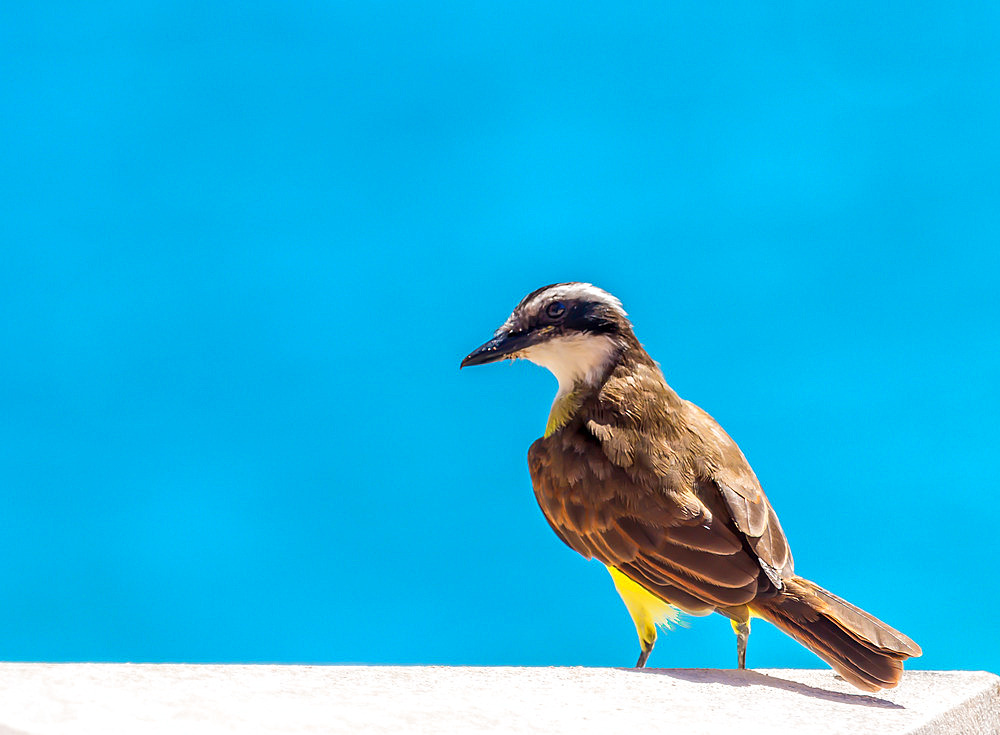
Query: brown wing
[[740, 489], [669, 542], [651, 485]]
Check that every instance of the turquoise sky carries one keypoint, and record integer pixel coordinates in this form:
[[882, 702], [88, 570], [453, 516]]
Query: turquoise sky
[[243, 247]]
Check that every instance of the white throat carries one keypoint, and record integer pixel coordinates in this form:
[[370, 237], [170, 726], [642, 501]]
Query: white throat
[[576, 359]]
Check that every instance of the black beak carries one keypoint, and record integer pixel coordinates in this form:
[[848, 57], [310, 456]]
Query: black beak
[[503, 344]]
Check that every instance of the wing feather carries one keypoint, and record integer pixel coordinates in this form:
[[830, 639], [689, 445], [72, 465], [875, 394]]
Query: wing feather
[[592, 516], [662, 494]]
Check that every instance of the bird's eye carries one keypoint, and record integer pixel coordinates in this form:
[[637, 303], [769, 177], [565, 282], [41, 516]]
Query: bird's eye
[[555, 310]]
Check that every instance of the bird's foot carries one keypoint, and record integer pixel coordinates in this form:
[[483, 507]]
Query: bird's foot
[[742, 635]]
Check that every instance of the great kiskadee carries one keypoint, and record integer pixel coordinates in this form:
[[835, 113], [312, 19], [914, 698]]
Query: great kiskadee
[[631, 474]]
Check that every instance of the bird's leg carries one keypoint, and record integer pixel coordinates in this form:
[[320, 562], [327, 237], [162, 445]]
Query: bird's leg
[[647, 640], [647, 648], [742, 629], [739, 618]]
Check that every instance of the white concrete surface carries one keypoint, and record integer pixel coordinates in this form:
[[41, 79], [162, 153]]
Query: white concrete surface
[[140, 699]]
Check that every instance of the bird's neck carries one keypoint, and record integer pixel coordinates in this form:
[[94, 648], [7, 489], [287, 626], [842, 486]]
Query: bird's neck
[[583, 378], [580, 363]]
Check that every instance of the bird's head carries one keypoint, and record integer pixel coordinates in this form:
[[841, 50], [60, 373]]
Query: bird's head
[[576, 330]]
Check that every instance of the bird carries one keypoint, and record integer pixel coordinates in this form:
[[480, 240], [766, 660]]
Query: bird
[[629, 473]]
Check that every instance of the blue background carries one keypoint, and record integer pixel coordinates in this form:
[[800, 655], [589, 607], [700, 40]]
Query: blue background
[[244, 247]]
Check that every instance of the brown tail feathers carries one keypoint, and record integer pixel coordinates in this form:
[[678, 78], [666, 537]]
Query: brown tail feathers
[[864, 650]]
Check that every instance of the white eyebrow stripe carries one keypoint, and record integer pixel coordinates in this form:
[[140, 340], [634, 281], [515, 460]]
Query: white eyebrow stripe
[[574, 292]]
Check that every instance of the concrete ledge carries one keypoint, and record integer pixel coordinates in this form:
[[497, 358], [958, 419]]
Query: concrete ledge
[[38, 699]]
